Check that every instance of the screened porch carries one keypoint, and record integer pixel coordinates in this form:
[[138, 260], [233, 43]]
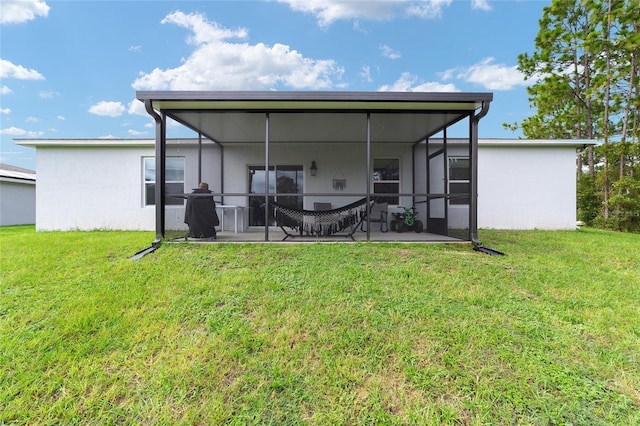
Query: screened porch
[[275, 160]]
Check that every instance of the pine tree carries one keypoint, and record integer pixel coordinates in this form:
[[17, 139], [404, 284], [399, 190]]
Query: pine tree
[[585, 72]]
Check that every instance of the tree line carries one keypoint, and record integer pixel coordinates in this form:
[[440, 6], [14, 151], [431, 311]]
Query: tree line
[[585, 76]]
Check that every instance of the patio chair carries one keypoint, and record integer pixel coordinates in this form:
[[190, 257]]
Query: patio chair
[[377, 213]]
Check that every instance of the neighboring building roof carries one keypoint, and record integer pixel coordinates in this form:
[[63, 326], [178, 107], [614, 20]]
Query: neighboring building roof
[[16, 174], [537, 143], [534, 143], [100, 142]]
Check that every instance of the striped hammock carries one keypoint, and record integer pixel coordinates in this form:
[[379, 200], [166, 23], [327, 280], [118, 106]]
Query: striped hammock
[[320, 223]]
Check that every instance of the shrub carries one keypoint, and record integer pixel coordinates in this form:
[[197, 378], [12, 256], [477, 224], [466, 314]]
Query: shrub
[[588, 201]]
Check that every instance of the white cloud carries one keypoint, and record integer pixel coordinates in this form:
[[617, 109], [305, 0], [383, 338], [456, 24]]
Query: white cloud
[[217, 63], [365, 73], [480, 4], [31, 119], [388, 52], [137, 108], [409, 83], [48, 94], [135, 48], [136, 132], [359, 28], [330, 11], [5, 90], [428, 9], [15, 131], [18, 11], [5, 111], [173, 123], [61, 118], [107, 109], [10, 70], [448, 74], [489, 75]]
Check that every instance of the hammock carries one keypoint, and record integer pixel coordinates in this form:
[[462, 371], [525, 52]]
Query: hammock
[[320, 223]]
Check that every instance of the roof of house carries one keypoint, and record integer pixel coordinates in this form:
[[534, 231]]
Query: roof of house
[[532, 143], [313, 100], [149, 142], [14, 173]]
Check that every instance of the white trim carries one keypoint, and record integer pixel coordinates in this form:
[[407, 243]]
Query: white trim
[[15, 174], [119, 142], [17, 180], [578, 143], [398, 181], [144, 181]]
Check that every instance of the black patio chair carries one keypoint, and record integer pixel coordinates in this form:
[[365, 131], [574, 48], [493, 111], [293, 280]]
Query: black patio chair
[[377, 213]]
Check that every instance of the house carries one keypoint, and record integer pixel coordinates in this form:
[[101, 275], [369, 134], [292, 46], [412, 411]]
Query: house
[[17, 196], [258, 150]]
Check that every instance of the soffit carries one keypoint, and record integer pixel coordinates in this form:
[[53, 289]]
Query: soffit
[[246, 127]]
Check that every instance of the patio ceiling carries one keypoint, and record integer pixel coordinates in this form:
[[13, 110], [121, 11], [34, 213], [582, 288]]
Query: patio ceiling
[[239, 117]]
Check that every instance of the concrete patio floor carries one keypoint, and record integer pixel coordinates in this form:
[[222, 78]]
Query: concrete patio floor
[[276, 235]]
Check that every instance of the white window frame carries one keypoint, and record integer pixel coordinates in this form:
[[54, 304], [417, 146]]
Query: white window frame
[[145, 182], [398, 181], [457, 201]]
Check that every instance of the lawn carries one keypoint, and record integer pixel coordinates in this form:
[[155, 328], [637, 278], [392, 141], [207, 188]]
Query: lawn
[[350, 333]]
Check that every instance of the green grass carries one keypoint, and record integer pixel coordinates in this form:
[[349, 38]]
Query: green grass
[[358, 333]]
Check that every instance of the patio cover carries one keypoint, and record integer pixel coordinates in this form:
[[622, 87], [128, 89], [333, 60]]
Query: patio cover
[[228, 117]]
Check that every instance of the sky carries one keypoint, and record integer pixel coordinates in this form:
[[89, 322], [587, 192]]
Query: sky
[[70, 69]]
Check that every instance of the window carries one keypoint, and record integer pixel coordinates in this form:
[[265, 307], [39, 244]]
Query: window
[[459, 176], [174, 180], [386, 179]]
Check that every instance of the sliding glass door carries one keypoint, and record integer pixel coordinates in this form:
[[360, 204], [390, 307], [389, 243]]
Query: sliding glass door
[[283, 179]]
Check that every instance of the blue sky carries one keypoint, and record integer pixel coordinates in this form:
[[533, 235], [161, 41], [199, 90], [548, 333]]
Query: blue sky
[[70, 69]]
